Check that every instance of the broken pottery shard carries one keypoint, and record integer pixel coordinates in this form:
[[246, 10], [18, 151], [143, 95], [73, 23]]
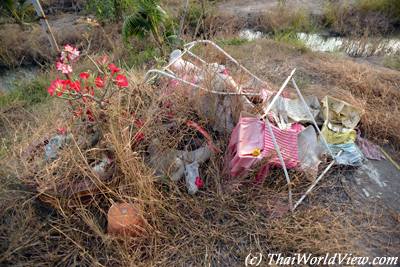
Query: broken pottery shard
[[124, 219]]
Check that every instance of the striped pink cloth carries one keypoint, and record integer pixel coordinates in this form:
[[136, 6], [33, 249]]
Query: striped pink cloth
[[287, 142], [251, 133]]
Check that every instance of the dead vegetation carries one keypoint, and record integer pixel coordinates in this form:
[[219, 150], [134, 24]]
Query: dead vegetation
[[362, 17], [284, 19], [217, 227], [27, 44]]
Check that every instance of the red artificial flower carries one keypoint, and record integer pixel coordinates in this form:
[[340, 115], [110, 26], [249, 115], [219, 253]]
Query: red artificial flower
[[170, 114], [113, 68], [56, 86], [199, 183], [75, 86], [99, 82], [121, 81], [84, 75]]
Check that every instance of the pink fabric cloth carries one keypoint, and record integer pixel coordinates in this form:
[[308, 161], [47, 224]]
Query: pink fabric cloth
[[245, 137], [251, 133], [287, 142]]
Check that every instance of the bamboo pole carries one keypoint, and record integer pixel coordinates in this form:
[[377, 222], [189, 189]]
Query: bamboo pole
[[45, 25]]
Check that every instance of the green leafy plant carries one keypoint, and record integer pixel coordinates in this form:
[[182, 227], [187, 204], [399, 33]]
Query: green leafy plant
[[148, 18], [109, 10], [292, 39], [21, 11]]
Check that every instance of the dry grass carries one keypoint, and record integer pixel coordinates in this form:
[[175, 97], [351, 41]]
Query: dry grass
[[30, 45], [362, 17], [215, 227], [284, 19]]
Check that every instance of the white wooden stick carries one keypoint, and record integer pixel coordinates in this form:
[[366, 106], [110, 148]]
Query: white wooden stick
[[316, 181], [45, 25]]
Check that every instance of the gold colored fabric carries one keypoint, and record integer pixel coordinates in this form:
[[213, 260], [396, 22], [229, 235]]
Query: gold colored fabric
[[338, 137]]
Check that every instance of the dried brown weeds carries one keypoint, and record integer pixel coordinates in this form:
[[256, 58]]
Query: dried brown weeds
[[214, 227]]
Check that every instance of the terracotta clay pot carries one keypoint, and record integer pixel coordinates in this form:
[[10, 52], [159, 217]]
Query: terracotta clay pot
[[124, 219]]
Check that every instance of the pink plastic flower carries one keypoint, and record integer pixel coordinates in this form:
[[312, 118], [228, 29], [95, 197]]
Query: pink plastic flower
[[99, 82], [121, 81], [84, 75], [113, 68], [71, 53], [64, 68], [68, 48], [56, 86]]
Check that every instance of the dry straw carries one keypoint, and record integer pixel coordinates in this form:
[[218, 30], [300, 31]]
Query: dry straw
[[218, 226]]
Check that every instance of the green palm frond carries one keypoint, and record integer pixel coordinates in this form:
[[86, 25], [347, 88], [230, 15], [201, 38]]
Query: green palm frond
[[147, 17], [137, 25]]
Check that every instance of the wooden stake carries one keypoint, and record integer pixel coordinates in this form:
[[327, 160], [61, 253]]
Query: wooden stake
[[45, 25]]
